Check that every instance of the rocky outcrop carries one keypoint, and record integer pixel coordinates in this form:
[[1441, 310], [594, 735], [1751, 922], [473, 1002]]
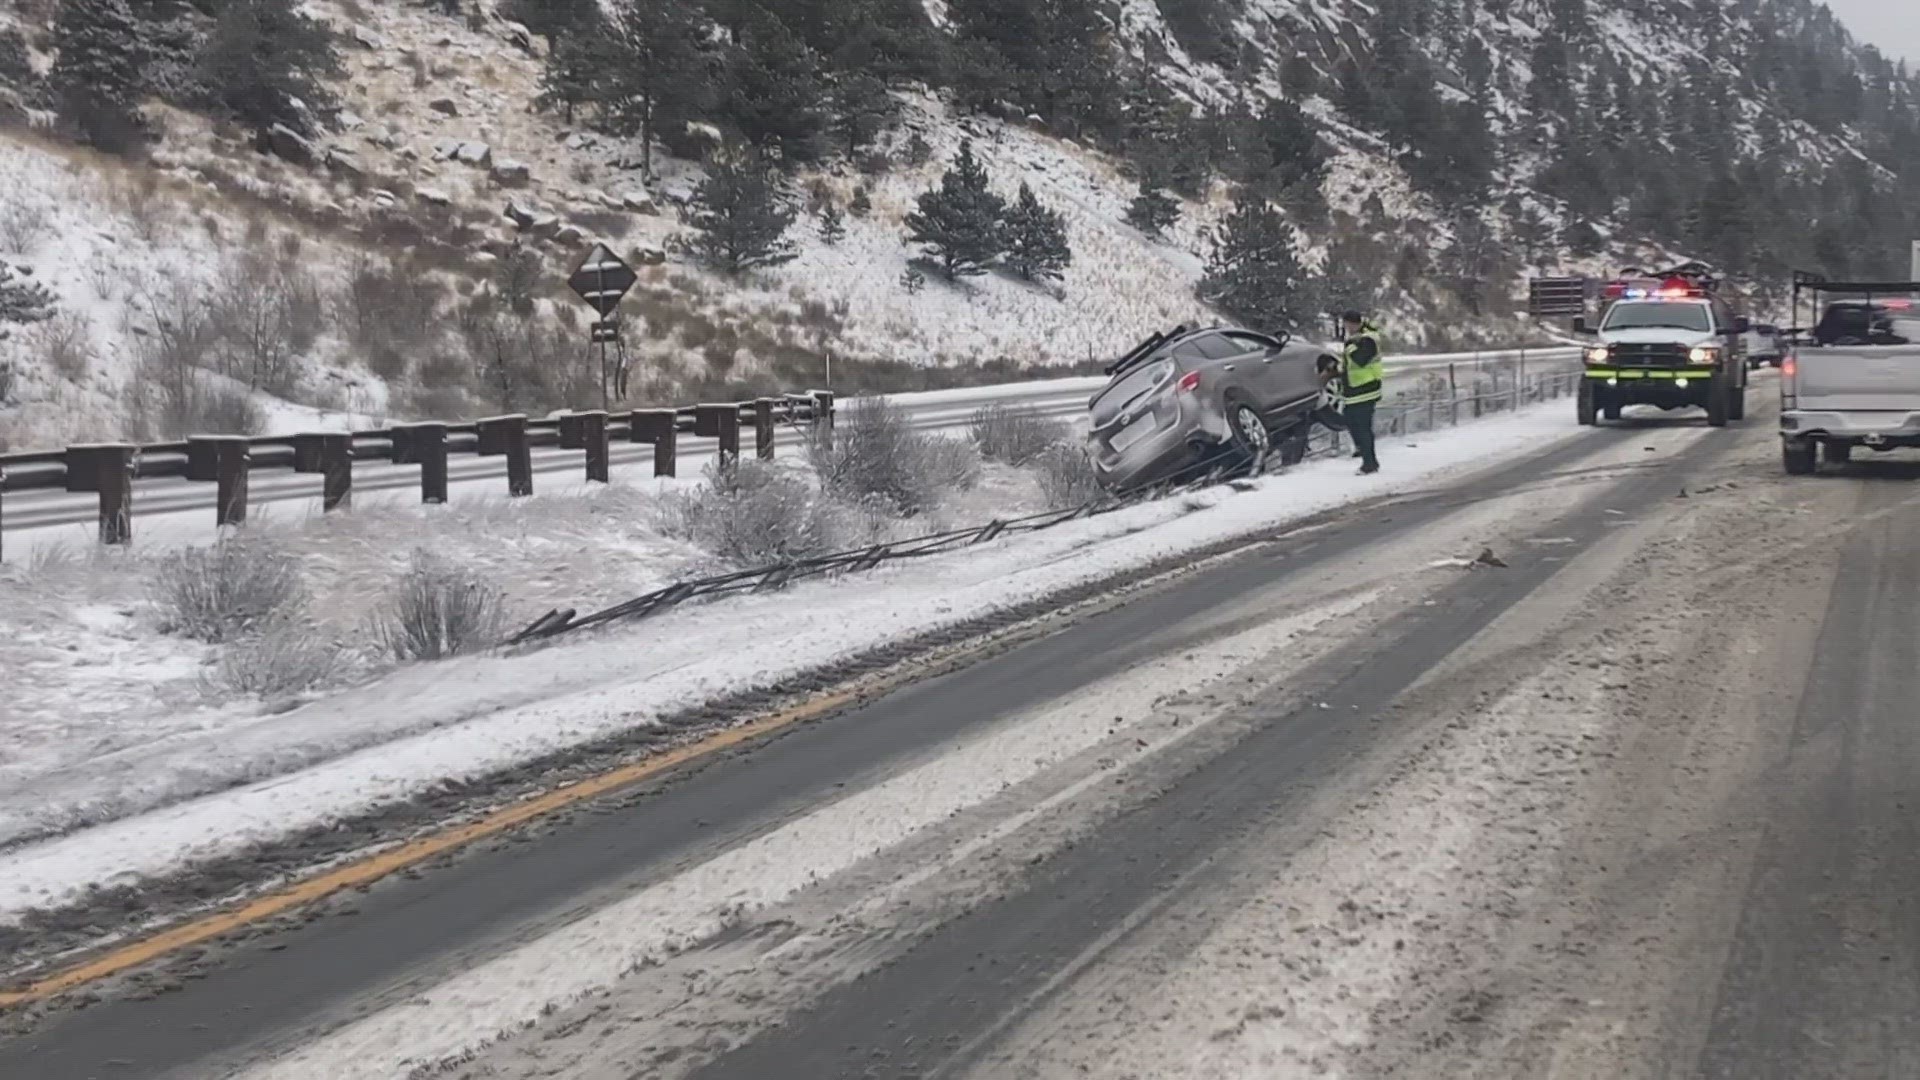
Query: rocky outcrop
[[284, 142], [509, 173]]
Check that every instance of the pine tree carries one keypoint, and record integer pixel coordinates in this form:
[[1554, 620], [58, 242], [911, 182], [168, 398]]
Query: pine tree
[[1287, 149], [1254, 275], [833, 226], [1532, 235], [958, 223], [16, 65], [1472, 263], [96, 77], [1153, 211], [1036, 239], [659, 72], [775, 90], [861, 108], [552, 19], [264, 56], [862, 203], [21, 301], [577, 69], [740, 215]]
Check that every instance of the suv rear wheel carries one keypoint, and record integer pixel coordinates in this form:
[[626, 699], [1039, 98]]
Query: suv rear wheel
[[1251, 440]]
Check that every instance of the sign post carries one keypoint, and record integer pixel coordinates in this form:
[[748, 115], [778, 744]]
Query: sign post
[[603, 280]]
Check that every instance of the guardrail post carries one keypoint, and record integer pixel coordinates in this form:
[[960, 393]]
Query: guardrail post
[[823, 418], [573, 431], [763, 428], [720, 422], [507, 435], [659, 427], [115, 465], [106, 469], [428, 444], [201, 459], [400, 439], [329, 453], [223, 459], [593, 438]]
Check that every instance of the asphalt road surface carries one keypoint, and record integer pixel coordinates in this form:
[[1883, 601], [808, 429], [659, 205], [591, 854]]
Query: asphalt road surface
[[1632, 798]]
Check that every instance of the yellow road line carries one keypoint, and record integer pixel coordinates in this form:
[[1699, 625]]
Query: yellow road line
[[412, 853], [373, 868]]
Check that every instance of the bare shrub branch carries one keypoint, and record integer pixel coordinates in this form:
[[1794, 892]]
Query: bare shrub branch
[[282, 660], [876, 453], [1013, 435], [440, 609], [1066, 476], [234, 587], [751, 515]]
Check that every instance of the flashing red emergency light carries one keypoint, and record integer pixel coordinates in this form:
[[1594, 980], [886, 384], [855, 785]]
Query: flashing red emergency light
[[1672, 288]]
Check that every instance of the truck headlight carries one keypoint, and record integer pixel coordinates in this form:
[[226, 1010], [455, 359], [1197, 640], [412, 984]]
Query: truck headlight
[[1703, 354], [1597, 355]]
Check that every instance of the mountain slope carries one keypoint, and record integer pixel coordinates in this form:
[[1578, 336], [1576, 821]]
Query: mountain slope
[[1428, 153]]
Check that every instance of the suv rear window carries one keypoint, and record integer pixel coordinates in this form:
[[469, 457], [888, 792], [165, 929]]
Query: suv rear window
[[1212, 347], [1125, 389]]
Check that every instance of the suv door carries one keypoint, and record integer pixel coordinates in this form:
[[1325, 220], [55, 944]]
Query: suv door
[[1286, 372], [1230, 365]]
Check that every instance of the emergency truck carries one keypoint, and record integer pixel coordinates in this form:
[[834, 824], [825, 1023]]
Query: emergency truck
[[1665, 339]]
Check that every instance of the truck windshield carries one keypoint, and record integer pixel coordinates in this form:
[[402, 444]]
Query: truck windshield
[[1663, 316]]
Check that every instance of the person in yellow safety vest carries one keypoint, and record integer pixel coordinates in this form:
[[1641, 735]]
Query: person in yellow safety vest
[[1363, 373]]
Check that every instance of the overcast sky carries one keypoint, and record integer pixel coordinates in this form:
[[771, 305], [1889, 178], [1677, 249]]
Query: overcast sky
[[1892, 25]]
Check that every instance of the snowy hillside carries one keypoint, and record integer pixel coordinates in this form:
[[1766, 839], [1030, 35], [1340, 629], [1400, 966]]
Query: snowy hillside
[[405, 255]]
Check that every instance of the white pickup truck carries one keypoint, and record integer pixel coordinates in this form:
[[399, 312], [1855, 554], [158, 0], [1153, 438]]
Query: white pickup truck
[[1857, 391]]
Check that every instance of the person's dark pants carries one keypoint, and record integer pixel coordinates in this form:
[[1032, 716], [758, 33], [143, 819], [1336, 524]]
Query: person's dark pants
[[1359, 418]]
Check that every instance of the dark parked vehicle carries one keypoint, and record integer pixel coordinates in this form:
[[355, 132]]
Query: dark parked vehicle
[[1766, 345], [1187, 397], [1861, 322]]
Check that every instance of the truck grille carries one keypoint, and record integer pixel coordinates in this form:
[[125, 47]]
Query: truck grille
[[1639, 354]]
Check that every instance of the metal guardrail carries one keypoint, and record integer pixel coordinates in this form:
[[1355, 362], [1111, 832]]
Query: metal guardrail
[[1425, 413], [110, 469]]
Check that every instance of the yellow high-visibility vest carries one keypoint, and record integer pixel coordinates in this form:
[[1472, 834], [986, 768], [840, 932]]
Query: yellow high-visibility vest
[[1364, 382]]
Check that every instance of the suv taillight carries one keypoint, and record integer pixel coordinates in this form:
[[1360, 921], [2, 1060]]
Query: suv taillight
[[1188, 383]]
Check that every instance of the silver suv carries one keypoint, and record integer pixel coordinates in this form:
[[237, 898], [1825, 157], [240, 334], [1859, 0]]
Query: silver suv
[[1184, 398]]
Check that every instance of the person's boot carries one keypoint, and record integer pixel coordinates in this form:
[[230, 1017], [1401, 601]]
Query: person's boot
[[1369, 470]]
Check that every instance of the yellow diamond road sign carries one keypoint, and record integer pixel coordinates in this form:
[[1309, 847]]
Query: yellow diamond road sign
[[603, 280]]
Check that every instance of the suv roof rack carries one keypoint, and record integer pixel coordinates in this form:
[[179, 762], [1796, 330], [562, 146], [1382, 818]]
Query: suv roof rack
[[1139, 353]]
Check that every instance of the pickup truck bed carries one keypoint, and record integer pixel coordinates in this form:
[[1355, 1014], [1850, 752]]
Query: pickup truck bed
[[1834, 398]]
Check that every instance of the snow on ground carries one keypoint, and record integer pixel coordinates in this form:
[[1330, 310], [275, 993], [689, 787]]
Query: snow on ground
[[115, 241], [467, 717]]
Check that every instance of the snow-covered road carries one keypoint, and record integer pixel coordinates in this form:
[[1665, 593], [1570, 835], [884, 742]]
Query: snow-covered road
[[1342, 801], [1339, 800]]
